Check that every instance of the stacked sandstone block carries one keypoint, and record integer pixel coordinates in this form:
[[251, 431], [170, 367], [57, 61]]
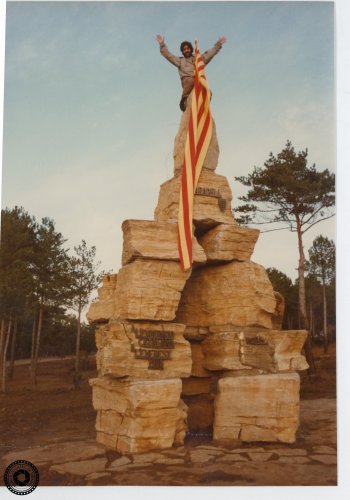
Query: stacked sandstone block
[[192, 350]]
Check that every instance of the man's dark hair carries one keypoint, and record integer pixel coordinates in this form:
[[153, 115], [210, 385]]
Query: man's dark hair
[[189, 44]]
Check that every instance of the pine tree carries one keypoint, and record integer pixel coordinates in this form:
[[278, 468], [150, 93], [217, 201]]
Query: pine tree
[[85, 280], [288, 192], [322, 265], [51, 276]]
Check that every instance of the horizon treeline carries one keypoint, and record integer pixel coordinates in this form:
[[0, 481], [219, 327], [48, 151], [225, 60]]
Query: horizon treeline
[[42, 284], [39, 290]]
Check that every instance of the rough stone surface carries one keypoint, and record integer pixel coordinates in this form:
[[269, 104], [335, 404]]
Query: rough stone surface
[[206, 210], [181, 423], [212, 156], [293, 460], [260, 457], [232, 458], [221, 351], [327, 450], [169, 461], [238, 293], [270, 350], [290, 452], [325, 459], [226, 243], [149, 290], [119, 462], [287, 346], [118, 347], [154, 240], [277, 318], [102, 309], [81, 468], [261, 408], [127, 395], [136, 416], [202, 456], [147, 458], [96, 475], [58, 453], [198, 369]]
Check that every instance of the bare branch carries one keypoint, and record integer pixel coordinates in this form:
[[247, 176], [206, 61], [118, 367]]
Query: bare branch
[[313, 215], [278, 229], [319, 220]]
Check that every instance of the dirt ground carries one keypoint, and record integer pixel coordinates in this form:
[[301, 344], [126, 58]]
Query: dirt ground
[[52, 417]]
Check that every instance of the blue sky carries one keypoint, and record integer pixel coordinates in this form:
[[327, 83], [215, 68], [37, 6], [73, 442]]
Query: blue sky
[[91, 108]]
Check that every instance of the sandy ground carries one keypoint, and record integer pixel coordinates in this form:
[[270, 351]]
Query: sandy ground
[[52, 425]]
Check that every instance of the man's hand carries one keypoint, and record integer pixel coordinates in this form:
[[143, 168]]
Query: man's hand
[[160, 39], [221, 40]]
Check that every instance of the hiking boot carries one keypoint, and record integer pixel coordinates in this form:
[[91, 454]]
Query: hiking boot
[[183, 103]]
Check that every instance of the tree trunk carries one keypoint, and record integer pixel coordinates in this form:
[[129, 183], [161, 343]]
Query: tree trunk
[[33, 344], [325, 328], [12, 353], [312, 326], [77, 348], [3, 374], [37, 344], [302, 300], [2, 338]]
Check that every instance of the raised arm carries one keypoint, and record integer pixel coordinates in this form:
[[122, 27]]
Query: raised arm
[[166, 53], [209, 54]]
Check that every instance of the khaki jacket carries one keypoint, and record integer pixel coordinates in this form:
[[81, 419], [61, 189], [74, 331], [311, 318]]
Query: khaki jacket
[[186, 66]]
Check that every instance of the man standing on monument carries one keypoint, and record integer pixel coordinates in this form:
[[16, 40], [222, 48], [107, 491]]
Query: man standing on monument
[[185, 64]]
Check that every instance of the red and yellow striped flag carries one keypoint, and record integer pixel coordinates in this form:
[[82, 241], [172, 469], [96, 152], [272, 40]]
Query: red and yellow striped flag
[[199, 133]]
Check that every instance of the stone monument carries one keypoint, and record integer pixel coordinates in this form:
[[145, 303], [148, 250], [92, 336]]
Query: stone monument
[[193, 350]]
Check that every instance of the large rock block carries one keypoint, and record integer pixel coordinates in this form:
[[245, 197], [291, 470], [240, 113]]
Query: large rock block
[[149, 290], [257, 408], [140, 415], [238, 293], [102, 309], [211, 206], [226, 243], [222, 351], [143, 350], [154, 240], [287, 346], [131, 395], [212, 156], [266, 350]]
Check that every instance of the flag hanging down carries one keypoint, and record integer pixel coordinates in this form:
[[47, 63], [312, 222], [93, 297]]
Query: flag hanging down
[[199, 134]]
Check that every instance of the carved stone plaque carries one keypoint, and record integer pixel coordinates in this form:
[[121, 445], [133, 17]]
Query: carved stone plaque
[[153, 345], [215, 193], [256, 352]]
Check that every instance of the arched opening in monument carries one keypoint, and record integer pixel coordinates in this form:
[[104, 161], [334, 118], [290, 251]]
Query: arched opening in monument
[[200, 388]]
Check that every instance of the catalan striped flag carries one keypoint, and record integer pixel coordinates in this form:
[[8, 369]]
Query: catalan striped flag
[[199, 133]]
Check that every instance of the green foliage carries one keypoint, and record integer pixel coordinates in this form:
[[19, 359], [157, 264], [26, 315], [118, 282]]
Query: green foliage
[[85, 278], [283, 284], [322, 259], [287, 191], [52, 279], [35, 268], [321, 272], [16, 258]]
